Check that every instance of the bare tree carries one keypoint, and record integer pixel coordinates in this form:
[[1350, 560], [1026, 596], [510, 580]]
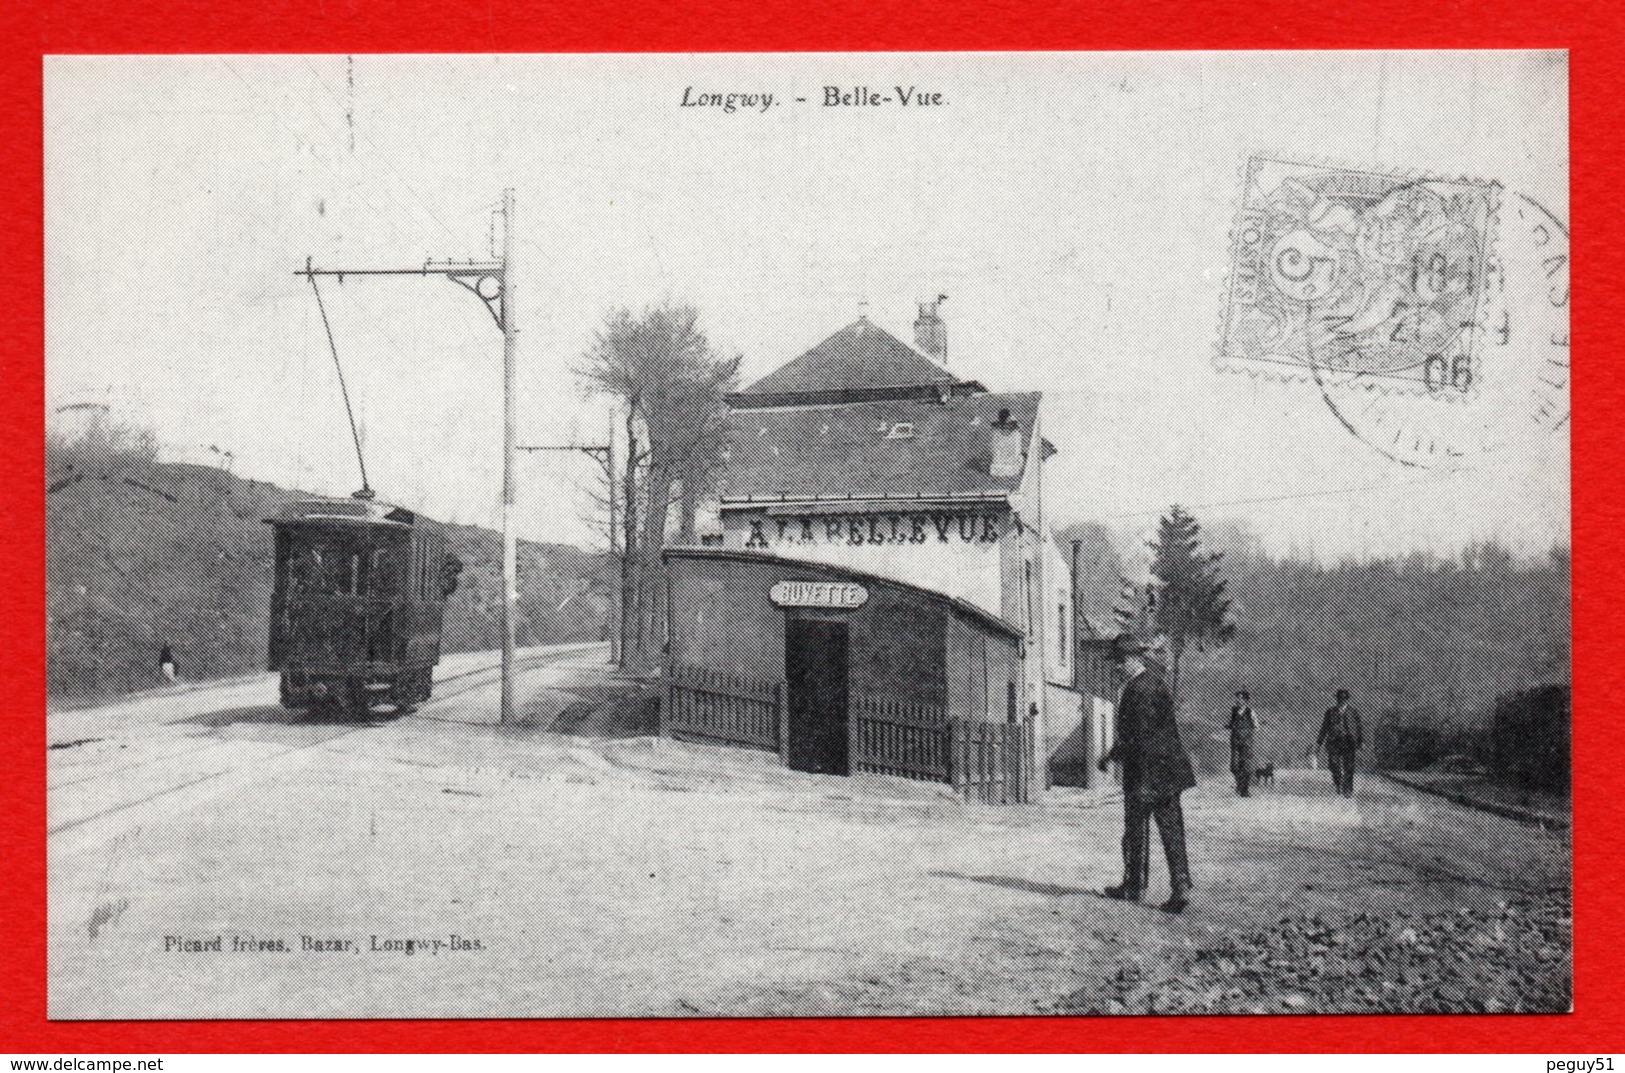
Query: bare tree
[[671, 382]]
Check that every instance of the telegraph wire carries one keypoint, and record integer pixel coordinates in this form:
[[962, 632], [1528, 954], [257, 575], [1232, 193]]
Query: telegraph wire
[[1282, 498], [276, 117], [390, 164]]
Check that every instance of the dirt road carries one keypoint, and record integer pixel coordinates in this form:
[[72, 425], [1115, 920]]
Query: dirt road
[[223, 860]]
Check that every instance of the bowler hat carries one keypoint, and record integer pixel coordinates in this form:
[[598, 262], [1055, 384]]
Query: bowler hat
[[1342, 694]]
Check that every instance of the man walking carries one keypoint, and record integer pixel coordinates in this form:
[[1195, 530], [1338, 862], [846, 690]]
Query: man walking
[[1156, 771], [1242, 724], [1341, 735]]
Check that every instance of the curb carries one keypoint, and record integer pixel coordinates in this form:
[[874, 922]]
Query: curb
[[1511, 812]]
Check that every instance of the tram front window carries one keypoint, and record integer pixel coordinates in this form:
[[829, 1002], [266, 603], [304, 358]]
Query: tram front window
[[328, 563]]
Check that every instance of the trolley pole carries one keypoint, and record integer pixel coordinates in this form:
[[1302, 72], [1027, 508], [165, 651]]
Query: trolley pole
[[489, 281]]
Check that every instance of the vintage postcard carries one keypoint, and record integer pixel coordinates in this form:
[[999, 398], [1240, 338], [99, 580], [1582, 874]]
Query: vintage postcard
[[1052, 534]]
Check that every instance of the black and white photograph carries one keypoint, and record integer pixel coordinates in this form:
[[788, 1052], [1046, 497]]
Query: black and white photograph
[[807, 535]]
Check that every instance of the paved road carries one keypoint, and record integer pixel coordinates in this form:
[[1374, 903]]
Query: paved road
[[641, 877]]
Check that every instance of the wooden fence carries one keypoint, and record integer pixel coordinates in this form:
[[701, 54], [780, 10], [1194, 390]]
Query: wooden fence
[[990, 761], [709, 706], [984, 761], [894, 738]]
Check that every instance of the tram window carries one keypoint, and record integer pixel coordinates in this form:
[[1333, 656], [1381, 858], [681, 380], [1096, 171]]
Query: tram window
[[304, 569], [333, 569], [382, 578], [325, 563]]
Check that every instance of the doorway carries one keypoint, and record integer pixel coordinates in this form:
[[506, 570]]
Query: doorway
[[815, 665]]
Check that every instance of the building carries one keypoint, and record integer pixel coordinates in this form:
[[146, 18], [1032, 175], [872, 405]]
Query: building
[[866, 462]]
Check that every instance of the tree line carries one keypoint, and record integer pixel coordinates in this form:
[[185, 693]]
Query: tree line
[[1421, 640]]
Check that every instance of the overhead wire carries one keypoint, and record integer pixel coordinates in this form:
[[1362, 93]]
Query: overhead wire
[[1284, 498], [381, 155], [298, 137]]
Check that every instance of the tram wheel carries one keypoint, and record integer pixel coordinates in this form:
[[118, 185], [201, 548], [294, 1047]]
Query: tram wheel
[[355, 702], [404, 693], [285, 695]]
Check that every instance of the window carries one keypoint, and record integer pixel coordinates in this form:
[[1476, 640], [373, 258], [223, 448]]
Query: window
[[383, 577], [341, 562]]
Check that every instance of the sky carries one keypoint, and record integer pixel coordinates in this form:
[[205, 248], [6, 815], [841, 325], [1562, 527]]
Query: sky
[[1075, 208]]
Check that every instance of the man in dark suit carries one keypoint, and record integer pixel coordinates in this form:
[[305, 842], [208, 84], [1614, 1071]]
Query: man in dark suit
[[1156, 771], [1243, 722], [1342, 735]]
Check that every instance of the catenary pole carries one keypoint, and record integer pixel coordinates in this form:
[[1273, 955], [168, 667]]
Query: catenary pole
[[510, 417], [605, 454], [615, 574]]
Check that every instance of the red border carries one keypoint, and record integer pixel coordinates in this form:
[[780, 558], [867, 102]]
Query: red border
[[1590, 30]]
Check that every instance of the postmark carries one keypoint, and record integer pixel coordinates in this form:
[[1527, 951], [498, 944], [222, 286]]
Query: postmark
[[1519, 392], [1358, 273]]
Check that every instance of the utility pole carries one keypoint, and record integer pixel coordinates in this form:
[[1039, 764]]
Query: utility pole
[[605, 454], [489, 281], [616, 655], [1077, 645], [510, 417]]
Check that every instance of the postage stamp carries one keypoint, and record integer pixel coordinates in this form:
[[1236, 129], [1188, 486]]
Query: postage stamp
[[1365, 274]]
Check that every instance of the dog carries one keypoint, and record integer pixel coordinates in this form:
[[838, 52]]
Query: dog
[[1265, 776]]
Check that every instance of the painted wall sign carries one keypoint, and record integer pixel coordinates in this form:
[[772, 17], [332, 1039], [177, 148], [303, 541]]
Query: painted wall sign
[[844, 595], [857, 529]]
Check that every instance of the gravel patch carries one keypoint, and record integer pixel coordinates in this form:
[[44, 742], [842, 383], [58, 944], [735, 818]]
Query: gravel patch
[[1511, 958]]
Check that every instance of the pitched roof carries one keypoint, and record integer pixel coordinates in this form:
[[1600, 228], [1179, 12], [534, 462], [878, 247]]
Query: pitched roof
[[861, 360], [858, 449]]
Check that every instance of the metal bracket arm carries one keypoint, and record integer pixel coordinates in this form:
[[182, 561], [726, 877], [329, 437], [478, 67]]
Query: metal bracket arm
[[482, 279], [486, 285]]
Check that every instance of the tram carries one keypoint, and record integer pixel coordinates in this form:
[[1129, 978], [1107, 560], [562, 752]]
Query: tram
[[357, 605]]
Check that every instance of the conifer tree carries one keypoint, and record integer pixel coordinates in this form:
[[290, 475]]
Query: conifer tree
[[1189, 606]]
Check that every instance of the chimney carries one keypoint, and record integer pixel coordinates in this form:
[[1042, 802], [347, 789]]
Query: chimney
[[1007, 453], [930, 334]]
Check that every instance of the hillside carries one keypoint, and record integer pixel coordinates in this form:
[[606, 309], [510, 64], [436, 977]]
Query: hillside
[[140, 552]]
